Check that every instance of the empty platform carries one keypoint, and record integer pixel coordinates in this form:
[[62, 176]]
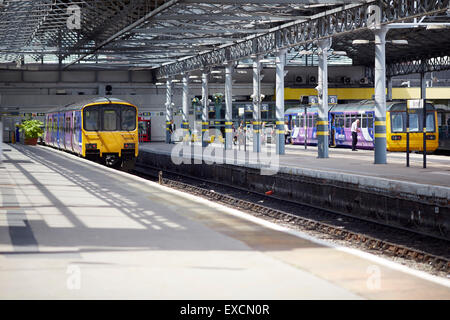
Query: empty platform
[[70, 228]]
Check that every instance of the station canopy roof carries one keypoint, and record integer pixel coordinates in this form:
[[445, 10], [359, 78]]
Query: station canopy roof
[[146, 34]]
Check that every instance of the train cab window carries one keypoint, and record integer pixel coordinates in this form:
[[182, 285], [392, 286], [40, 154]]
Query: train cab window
[[128, 121], [91, 119], [110, 120], [413, 122], [430, 122], [397, 122]]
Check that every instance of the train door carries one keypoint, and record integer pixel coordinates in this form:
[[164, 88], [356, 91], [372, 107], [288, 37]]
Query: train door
[[332, 128]]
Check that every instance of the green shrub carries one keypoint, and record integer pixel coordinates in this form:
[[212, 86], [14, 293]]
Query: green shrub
[[32, 128]]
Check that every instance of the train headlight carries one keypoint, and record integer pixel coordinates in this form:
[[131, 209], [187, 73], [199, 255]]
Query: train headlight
[[396, 137], [129, 146], [431, 137], [91, 146]]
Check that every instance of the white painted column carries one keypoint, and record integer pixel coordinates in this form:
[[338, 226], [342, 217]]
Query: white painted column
[[229, 106], [169, 108], [380, 96], [256, 104], [279, 111], [185, 107]]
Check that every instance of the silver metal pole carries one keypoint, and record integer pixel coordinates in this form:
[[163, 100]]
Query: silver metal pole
[[229, 106], [389, 88], [205, 109], [256, 104], [279, 112], [380, 95], [186, 105], [322, 123], [169, 108]]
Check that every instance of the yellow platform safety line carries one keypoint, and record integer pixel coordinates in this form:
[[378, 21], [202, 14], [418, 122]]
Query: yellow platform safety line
[[204, 130], [257, 122], [228, 123], [205, 123], [280, 122], [322, 133], [280, 131], [380, 123], [322, 123], [228, 130], [380, 135]]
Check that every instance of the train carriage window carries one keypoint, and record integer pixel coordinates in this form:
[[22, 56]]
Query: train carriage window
[[302, 121], [364, 121], [91, 119], [370, 120], [310, 121], [128, 119], [296, 121], [316, 117], [110, 120], [348, 121], [353, 119], [430, 122], [397, 122], [413, 122]]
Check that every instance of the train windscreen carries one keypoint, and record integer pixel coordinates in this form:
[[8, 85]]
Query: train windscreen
[[109, 117]]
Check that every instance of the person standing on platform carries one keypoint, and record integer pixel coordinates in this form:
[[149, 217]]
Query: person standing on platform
[[172, 129], [355, 130], [287, 133]]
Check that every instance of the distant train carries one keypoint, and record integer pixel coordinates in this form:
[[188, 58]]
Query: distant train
[[443, 113], [341, 117], [103, 128]]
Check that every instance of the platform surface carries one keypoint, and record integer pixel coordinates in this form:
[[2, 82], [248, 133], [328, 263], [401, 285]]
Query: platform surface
[[343, 162], [73, 229]]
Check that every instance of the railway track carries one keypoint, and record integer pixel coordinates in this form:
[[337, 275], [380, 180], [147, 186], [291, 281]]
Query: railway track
[[403, 244]]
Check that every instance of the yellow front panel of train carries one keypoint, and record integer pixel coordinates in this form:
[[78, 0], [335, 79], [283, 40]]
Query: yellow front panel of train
[[396, 141], [110, 142]]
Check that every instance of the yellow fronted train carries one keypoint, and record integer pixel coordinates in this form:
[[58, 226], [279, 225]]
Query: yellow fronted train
[[104, 129]]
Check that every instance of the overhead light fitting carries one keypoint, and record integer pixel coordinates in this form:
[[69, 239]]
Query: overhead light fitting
[[360, 41], [399, 41]]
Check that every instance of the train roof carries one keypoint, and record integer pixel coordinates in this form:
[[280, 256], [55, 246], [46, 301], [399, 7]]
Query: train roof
[[80, 104]]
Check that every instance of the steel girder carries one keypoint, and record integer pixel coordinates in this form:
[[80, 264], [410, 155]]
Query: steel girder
[[346, 19], [418, 66]]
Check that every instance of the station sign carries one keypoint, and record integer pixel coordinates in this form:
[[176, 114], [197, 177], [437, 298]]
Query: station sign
[[264, 107], [248, 108], [415, 104], [314, 100]]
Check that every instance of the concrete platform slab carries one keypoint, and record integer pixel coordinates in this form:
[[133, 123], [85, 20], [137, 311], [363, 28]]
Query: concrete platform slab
[[74, 229]]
